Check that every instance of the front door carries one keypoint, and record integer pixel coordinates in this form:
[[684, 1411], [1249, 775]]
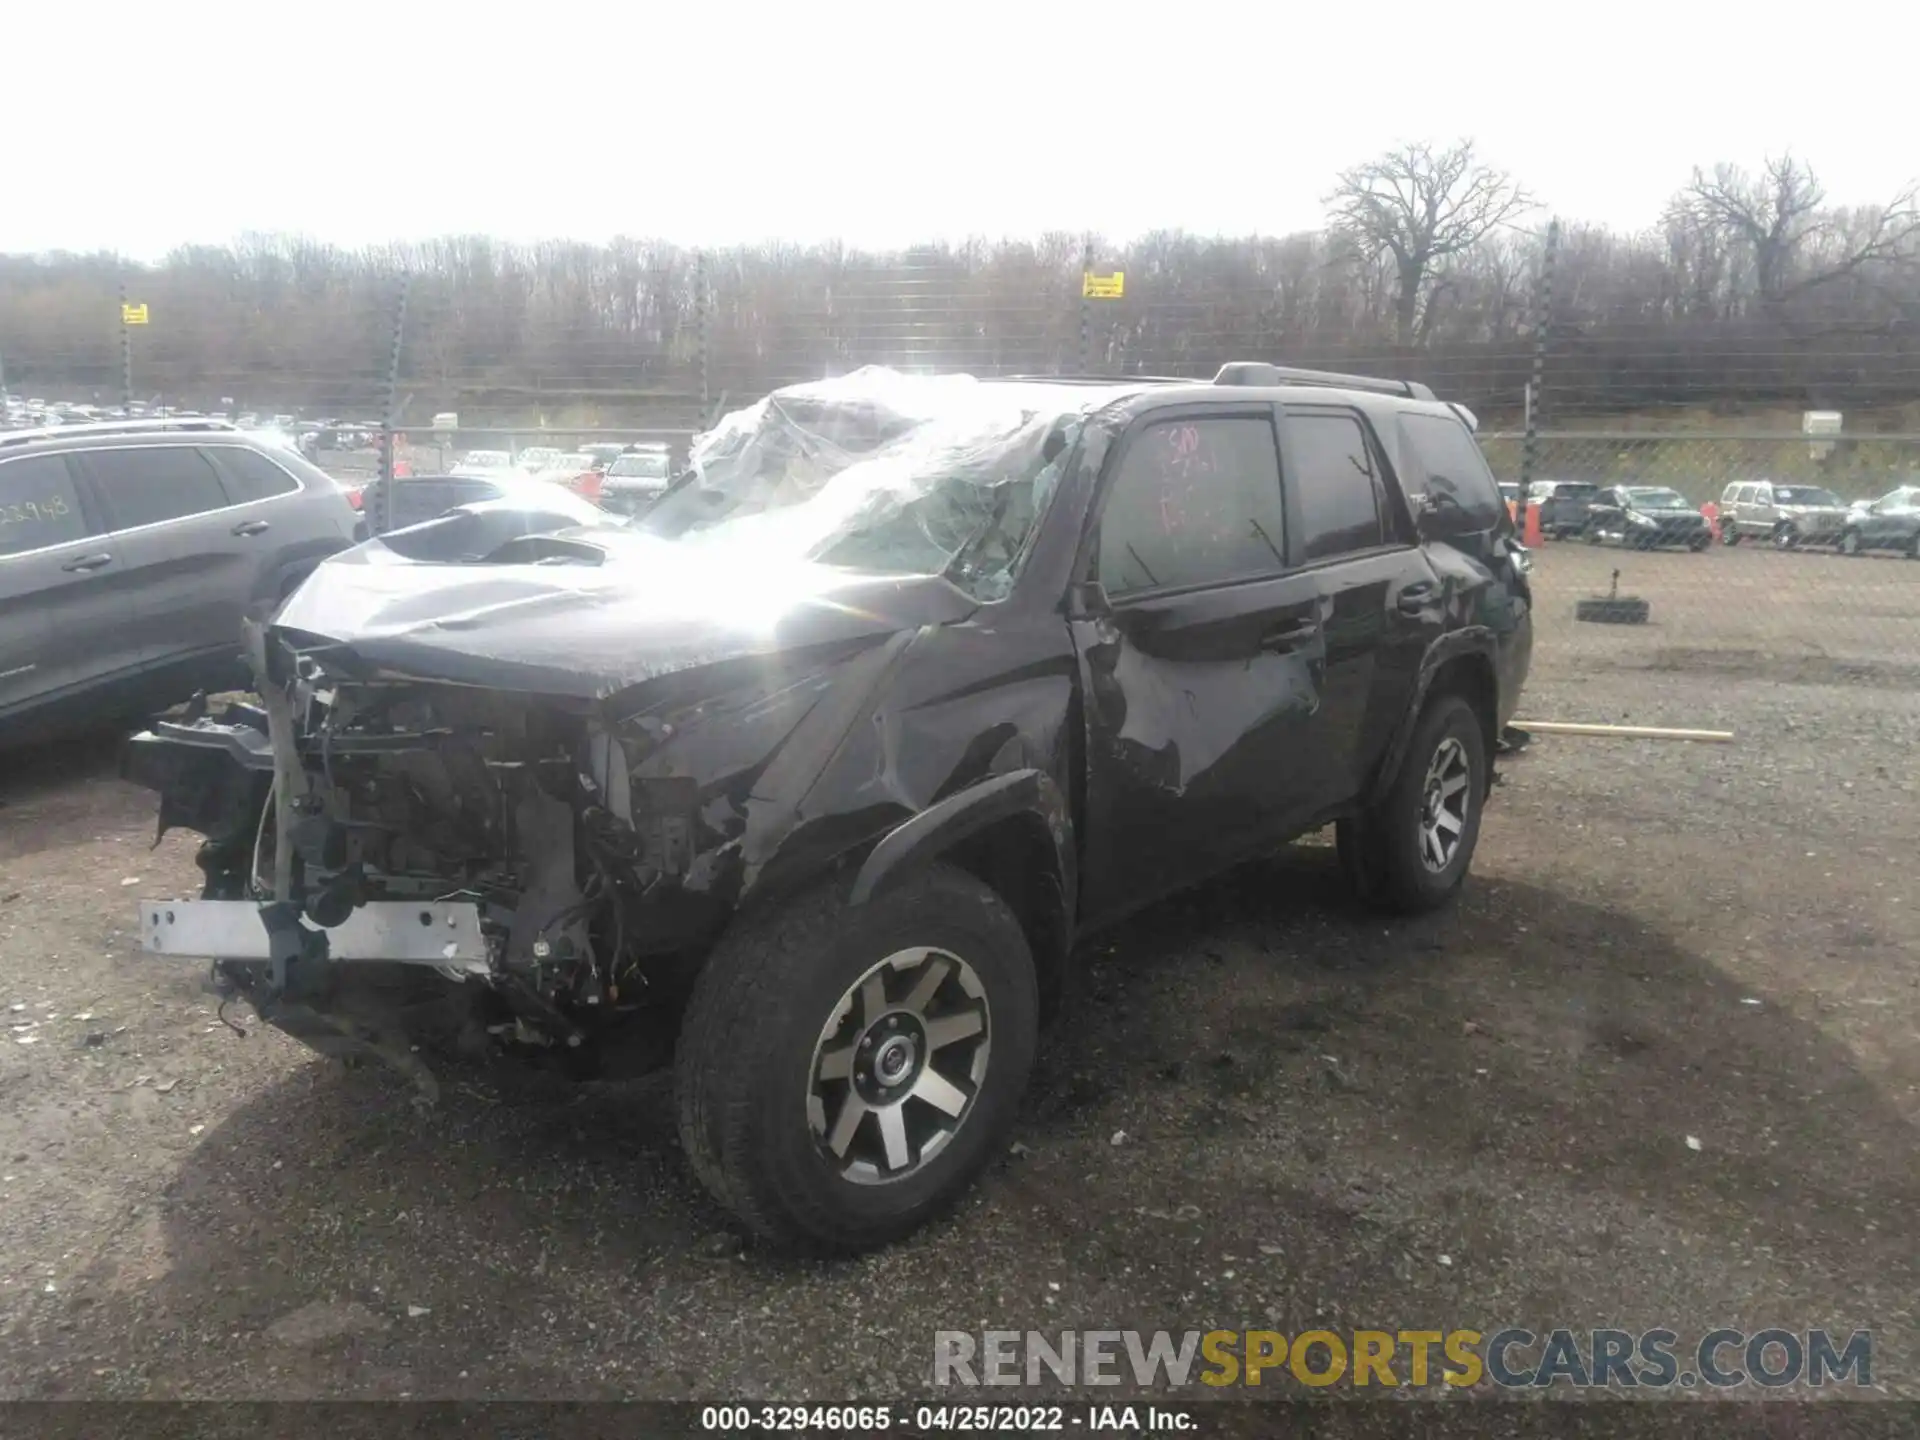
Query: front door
[[1204, 673]]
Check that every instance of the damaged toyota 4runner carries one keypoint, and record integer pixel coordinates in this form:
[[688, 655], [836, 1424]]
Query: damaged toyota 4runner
[[808, 782]]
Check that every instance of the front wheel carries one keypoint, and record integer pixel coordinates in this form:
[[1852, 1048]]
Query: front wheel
[[1849, 542], [1785, 537], [1411, 852], [844, 1072]]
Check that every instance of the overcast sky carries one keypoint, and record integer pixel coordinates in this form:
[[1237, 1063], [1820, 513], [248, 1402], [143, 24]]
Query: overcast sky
[[137, 127]]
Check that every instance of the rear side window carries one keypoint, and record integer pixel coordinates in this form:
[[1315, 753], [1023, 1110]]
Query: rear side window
[[251, 475], [1444, 455], [148, 484], [38, 505], [1331, 475], [1195, 502]]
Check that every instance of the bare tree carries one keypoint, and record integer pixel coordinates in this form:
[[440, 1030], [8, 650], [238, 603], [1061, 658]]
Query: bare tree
[[1793, 240], [1417, 207]]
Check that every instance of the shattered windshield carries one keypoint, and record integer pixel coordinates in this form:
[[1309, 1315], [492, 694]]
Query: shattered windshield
[[880, 471]]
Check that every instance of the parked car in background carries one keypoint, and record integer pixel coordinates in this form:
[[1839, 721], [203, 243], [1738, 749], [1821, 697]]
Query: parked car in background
[[1786, 515], [1890, 523], [1645, 517], [604, 452], [535, 458], [130, 553], [577, 471], [483, 462], [417, 498], [1564, 506], [635, 480]]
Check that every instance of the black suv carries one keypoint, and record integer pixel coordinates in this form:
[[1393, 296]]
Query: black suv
[[131, 551], [812, 778]]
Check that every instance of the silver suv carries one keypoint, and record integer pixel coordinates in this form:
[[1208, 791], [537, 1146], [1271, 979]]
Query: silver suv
[[1787, 515], [130, 553]]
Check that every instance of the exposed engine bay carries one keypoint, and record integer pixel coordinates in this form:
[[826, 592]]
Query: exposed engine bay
[[481, 848]]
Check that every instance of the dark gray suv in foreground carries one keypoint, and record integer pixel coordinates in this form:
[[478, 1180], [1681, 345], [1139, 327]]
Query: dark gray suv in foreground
[[130, 553], [809, 781]]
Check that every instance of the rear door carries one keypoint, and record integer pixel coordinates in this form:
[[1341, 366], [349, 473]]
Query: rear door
[[1380, 600], [64, 602], [190, 555], [1203, 676]]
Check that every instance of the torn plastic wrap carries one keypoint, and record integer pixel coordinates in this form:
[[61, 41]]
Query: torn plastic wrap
[[881, 471], [831, 511]]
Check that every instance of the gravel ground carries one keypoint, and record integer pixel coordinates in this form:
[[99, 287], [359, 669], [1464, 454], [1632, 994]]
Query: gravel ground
[[1268, 1110]]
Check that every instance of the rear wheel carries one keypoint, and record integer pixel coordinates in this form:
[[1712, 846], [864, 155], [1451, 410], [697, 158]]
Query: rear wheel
[[1699, 543], [843, 1073], [1729, 533], [1411, 852]]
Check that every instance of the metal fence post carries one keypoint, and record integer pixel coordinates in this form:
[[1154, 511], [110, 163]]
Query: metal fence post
[[1086, 308], [126, 355], [1536, 398], [384, 521], [700, 326]]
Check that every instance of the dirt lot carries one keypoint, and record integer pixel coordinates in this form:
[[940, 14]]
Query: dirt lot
[[1269, 1109]]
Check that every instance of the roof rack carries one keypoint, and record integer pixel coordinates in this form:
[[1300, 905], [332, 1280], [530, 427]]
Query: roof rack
[[1258, 372], [116, 427]]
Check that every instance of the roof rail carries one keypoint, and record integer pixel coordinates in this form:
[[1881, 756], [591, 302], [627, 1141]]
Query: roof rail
[[1258, 372], [116, 427], [1096, 379]]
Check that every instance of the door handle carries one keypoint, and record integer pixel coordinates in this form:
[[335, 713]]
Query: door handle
[[251, 527], [1415, 598], [87, 562], [1289, 635]]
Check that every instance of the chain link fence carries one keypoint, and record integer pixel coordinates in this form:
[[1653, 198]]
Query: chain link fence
[[464, 345]]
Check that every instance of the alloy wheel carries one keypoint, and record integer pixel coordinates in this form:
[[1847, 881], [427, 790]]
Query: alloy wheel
[[1445, 795], [899, 1065]]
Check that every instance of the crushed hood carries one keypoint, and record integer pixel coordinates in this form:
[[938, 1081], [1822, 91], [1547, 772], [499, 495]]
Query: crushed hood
[[826, 512], [572, 627]]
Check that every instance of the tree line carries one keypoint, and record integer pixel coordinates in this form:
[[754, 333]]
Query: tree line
[[1753, 288]]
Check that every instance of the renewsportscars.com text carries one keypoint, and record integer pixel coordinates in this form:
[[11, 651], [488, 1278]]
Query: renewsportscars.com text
[[1505, 1358]]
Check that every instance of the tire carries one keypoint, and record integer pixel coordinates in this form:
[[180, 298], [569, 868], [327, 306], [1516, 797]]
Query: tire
[[1385, 851], [754, 1110], [1784, 536], [1696, 546], [1850, 542], [1729, 534], [1613, 610]]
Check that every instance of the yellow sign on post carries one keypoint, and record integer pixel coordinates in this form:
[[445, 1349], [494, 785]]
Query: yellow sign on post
[[133, 314], [1103, 287]]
